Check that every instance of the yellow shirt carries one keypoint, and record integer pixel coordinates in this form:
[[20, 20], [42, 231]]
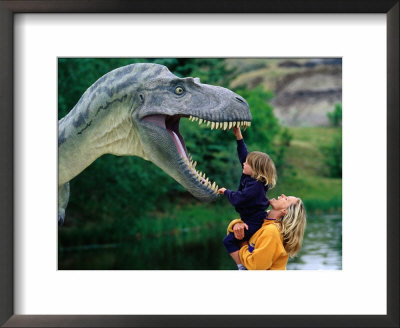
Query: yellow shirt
[[268, 252]]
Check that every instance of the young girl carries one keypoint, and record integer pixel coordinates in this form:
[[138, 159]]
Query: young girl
[[250, 200]]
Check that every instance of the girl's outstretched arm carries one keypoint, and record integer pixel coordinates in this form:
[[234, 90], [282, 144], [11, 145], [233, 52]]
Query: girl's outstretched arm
[[221, 191], [241, 146], [237, 133], [251, 190]]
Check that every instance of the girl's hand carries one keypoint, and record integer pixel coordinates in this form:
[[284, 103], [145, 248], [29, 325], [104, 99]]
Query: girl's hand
[[237, 133], [238, 230], [221, 191]]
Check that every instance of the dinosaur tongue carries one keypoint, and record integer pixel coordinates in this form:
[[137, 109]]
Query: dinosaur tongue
[[180, 148], [171, 124], [178, 143]]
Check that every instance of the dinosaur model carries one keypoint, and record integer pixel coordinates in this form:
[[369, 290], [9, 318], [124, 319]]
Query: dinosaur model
[[135, 110]]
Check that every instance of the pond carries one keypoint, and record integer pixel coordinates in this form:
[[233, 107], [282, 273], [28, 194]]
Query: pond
[[201, 248]]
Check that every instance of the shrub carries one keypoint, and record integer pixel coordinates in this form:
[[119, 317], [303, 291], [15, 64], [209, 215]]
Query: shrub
[[333, 156], [335, 117]]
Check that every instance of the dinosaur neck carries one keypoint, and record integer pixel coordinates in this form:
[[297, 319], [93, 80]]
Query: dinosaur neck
[[110, 132]]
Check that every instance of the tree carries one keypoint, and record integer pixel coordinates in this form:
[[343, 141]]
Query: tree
[[333, 156], [335, 117]]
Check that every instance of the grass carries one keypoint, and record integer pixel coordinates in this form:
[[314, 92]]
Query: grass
[[304, 153], [306, 176], [190, 217]]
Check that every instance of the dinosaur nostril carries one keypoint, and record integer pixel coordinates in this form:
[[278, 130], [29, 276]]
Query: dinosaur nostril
[[239, 100]]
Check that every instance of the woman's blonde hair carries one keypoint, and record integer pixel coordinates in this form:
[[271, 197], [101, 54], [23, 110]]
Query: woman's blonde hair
[[292, 226], [263, 168]]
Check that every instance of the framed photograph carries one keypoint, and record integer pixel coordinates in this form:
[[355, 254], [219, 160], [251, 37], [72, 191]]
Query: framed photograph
[[48, 278]]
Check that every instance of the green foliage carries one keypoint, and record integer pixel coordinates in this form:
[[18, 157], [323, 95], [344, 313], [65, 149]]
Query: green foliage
[[335, 117], [209, 70], [333, 156]]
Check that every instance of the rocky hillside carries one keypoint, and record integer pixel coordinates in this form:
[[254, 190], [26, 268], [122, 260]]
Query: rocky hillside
[[305, 89]]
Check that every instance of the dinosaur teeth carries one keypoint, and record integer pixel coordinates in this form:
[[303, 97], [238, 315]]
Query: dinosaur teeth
[[220, 125], [200, 176]]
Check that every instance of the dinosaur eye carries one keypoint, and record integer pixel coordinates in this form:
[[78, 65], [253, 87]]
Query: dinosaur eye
[[179, 90]]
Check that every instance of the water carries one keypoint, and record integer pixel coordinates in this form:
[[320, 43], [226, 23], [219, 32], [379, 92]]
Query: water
[[322, 245], [201, 249]]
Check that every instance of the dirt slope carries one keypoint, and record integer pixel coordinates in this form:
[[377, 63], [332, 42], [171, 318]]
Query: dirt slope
[[305, 89]]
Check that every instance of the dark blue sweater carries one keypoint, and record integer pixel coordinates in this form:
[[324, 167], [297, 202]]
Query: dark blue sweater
[[250, 201]]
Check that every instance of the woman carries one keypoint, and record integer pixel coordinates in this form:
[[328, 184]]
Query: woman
[[279, 237]]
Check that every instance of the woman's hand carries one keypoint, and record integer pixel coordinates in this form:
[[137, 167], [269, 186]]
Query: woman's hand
[[237, 133], [238, 230], [221, 191]]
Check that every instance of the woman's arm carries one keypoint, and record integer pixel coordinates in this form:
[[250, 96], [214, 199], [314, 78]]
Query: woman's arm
[[264, 253], [238, 230]]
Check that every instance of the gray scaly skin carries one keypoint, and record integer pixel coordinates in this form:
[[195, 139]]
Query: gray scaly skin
[[135, 110]]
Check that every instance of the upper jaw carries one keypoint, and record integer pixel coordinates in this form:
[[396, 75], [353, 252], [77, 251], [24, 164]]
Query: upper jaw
[[174, 157]]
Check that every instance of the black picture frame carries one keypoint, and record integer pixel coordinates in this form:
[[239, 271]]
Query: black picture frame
[[10, 7]]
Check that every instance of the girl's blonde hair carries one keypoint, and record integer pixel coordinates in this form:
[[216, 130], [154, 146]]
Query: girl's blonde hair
[[292, 226], [263, 168]]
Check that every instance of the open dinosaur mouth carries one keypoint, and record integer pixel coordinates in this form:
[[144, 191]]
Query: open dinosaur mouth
[[171, 124]]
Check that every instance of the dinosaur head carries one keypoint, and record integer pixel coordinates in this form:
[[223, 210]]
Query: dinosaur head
[[162, 100]]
